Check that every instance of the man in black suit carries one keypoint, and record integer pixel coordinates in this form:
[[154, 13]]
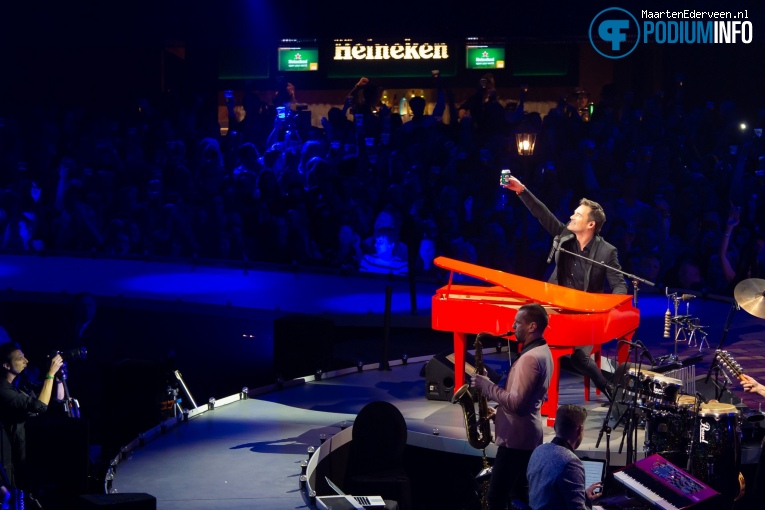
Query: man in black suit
[[580, 235]]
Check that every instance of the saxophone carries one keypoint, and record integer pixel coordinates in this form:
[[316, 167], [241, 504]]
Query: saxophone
[[478, 427]]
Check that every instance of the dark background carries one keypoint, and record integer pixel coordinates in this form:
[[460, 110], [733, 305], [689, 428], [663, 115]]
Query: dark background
[[108, 52]]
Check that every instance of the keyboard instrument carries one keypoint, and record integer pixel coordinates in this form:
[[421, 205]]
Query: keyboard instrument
[[664, 485]]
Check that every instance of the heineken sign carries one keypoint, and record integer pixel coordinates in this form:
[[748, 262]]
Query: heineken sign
[[407, 50], [298, 59], [485, 57]]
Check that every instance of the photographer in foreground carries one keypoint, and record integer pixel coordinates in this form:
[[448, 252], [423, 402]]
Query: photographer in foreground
[[16, 406]]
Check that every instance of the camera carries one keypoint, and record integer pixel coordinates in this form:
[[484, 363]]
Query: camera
[[281, 112], [71, 354]]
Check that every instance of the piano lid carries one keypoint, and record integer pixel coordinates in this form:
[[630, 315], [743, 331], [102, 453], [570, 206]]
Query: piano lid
[[541, 292]]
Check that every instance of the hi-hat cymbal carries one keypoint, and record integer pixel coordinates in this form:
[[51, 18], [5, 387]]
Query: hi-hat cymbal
[[750, 295]]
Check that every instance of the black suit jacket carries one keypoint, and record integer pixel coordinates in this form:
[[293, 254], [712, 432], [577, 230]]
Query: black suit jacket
[[595, 276]]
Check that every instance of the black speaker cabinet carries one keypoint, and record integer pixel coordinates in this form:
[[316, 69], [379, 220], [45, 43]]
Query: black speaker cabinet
[[126, 501], [439, 375]]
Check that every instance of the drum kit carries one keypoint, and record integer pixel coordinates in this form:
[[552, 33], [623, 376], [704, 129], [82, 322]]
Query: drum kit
[[686, 429]]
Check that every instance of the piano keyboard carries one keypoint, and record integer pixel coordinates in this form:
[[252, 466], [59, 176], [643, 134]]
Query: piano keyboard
[[663, 484]]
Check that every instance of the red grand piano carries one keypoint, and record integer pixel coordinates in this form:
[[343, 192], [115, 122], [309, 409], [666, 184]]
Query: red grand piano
[[576, 317]]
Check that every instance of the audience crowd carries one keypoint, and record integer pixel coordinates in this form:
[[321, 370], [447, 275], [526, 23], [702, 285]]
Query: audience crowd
[[682, 185]]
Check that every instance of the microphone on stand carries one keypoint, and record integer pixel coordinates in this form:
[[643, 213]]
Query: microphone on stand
[[667, 323], [701, 398], [647, 353], [556, 243], [688, 297]]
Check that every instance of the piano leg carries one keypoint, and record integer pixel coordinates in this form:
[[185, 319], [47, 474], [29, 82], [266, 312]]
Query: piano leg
[[459, 360], [550, 406]]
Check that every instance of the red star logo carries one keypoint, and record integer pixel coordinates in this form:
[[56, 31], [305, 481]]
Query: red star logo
[[297, 56], [485, 54]]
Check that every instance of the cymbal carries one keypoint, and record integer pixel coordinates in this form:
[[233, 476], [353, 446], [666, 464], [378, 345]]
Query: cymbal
[[750, 295]]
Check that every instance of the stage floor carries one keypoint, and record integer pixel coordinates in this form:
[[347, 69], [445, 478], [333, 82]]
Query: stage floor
[[247, 454]]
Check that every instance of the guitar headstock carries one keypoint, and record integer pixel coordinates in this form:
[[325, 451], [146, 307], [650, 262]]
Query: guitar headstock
[[731, 366]]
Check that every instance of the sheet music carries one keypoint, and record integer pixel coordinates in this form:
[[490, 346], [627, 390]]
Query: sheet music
[[593, 471]]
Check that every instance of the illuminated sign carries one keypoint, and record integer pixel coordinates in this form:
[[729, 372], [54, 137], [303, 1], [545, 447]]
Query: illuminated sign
[[389, 58], [298, 59], [485, 57], [398, 51]]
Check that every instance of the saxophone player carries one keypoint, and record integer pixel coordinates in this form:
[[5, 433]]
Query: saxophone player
[[518, 421]]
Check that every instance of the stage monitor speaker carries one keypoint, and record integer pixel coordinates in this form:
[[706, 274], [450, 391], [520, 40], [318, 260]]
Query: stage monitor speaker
[[302, 344], [439, 375], [126, 501]]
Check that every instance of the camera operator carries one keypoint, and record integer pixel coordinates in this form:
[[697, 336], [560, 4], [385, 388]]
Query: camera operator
[[16, 406]]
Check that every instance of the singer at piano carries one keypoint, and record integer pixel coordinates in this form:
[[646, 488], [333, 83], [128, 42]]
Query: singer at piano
[[751, 385], [581, 236], [518, 419], [555, 473]]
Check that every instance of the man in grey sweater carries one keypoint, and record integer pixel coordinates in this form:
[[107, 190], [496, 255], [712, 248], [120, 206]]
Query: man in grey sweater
[[518, 422]]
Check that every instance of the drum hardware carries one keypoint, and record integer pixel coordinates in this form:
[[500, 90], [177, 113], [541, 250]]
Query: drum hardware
[[749, 415], [668, 431], [643, 389], [687, 328], [652, 389], [694, 328], [715, 455], [663, 391], [714, 365], [680, 319]]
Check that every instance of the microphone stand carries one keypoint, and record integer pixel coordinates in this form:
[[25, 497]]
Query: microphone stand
[[630, 425], [714, 365], [636, 280], [606, 479], [630, 276], [605, 429], [71, 405]]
